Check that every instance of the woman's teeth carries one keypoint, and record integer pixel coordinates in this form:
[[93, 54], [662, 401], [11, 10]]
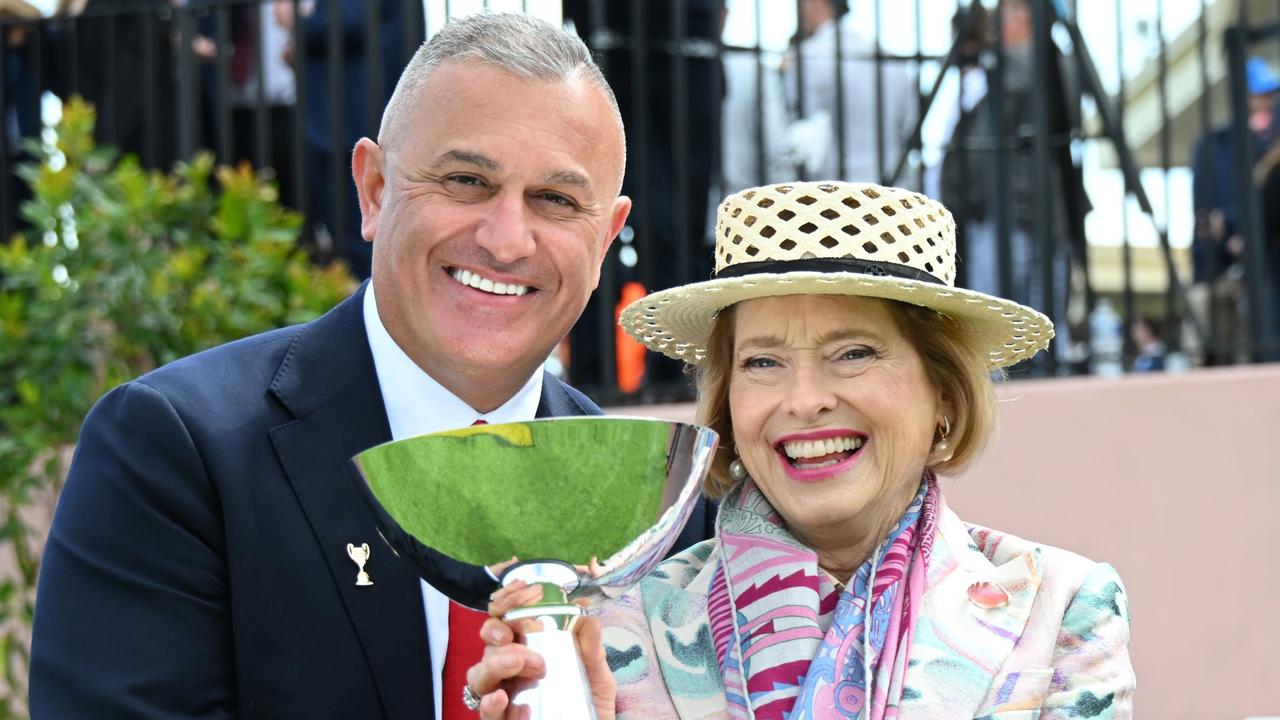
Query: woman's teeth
[[801, 449], [470, 279]]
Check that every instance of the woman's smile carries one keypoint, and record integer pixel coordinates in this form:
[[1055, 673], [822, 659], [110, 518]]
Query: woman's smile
[[819, 455]]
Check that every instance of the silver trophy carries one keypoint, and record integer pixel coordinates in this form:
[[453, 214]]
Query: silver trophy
[[562, 490]]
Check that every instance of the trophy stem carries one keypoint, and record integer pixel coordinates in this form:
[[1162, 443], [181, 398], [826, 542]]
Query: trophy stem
[[563, 693]]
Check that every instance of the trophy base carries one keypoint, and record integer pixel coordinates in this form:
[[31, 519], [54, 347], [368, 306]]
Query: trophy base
[[563, 693]]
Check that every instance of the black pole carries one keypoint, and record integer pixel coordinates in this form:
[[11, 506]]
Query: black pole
[[801, 170], [679, 72], [301, 198], [261, 140], [1046, 235], [914, 143], [187, 84], [373, 91], [108, 112], [1171, 336], [222, 72], [1207, 344], [1255, 262], [414, 29], [6, 171], [1129, 351], [762, 153], [336, 59], [879, 95], [998, 205], [842, 171], [150, 94]]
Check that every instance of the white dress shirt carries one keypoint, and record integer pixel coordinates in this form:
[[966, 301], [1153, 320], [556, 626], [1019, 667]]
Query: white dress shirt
[[416, 404]]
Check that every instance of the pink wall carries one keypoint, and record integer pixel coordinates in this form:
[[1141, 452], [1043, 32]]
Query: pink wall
[[1165, 477]]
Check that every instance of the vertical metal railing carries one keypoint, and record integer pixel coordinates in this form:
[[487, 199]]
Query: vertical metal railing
[[878, 95], [1046, 227], [261, 121], [838, 68], [679, 82], [297, 127], [606, 365], [999, 207], [1171, 334], [1256, 266], [638, 127], [188, 102], [763, 142], [336, 60], [222, 36], [188, 84], [373, 89], [6, 179], [1126, 248]]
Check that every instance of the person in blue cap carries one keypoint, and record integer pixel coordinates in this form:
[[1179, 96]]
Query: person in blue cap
[[1217, 247]]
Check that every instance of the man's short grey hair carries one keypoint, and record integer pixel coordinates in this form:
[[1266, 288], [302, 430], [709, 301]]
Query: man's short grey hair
[[523, 45]]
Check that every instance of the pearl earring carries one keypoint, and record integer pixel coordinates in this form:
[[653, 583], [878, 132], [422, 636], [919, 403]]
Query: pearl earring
[[737, 470], [944, 434]]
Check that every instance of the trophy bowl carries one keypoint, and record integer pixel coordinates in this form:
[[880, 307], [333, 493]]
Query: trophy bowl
[[555, 493]]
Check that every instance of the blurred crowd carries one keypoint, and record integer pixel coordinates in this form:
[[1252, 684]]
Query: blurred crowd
[[703, 120]]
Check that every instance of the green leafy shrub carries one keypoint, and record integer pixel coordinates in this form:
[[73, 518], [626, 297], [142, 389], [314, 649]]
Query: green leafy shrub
[[120, 270]]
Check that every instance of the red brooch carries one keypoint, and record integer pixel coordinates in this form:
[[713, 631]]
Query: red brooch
[[987, 595]]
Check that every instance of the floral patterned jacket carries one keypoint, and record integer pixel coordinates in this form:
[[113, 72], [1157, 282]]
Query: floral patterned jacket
[[1057, 649]]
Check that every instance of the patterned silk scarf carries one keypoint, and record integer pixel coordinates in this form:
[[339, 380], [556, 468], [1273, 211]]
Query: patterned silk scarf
[[790, 645]]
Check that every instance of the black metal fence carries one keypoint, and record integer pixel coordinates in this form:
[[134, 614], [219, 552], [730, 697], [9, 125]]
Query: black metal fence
[[1000, 119]]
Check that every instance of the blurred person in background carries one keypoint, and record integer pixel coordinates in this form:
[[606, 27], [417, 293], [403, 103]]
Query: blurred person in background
[[843, 375], [352, 122], [1146, 340], [828, 113], [967, 185], [1216, 295], [754, 105]]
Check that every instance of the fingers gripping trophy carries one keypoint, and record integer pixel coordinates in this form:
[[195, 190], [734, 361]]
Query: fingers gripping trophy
[[563, 491]]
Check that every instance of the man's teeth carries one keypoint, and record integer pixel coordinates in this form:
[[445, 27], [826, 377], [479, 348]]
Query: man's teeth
[[818, 448], [470, 279]]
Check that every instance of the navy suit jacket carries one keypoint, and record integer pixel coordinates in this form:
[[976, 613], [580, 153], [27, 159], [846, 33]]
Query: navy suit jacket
[[197, 563]]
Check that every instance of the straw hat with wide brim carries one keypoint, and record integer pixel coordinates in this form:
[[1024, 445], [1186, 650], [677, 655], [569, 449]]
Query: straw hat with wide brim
[[834, 238]]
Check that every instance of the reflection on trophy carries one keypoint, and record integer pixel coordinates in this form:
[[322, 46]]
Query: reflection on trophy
[[562, 490], [360, 556]]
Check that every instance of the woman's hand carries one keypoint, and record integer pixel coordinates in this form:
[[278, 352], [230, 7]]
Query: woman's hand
[[506, 661]]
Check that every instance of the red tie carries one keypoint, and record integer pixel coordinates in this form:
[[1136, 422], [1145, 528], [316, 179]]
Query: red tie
[[465, 649]]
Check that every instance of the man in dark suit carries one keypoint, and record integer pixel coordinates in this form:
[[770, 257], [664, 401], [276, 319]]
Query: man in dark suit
[[198, 563]]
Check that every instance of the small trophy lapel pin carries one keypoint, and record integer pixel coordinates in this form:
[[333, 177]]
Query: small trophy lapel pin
[[360, 555]]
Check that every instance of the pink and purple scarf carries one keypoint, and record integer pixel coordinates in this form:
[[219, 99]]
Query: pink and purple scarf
[[790, 645]]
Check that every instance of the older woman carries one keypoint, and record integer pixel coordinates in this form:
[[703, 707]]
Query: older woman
[[843, 370]]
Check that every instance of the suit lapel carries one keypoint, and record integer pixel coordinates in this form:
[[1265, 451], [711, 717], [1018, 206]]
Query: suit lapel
[[958, 646], [328, 382], [559, 400]]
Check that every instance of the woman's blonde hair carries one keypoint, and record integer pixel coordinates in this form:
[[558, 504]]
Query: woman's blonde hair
[[955, 368]]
